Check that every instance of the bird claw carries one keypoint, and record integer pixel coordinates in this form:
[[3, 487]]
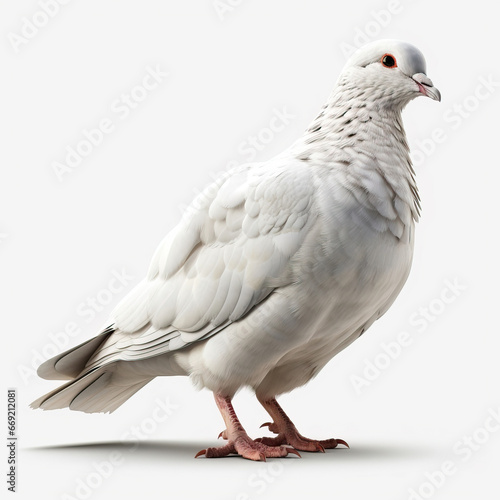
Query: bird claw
[[271, 426], [222, 451], [223, 434], [292, 438], [341, 441], [248, 448], [291, 449]]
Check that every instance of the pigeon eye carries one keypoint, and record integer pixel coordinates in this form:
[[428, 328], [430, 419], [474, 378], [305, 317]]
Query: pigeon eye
[[388, 61]]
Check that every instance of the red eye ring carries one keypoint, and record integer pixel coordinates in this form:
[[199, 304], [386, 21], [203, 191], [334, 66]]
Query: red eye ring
[[389, 61]]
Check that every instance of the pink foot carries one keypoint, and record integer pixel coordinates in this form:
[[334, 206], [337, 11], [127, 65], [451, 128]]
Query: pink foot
[[287, 433], [239, 442], [292, 437], [246, 447]]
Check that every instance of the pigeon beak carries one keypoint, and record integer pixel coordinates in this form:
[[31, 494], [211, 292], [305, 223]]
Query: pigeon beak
[[426, 87]]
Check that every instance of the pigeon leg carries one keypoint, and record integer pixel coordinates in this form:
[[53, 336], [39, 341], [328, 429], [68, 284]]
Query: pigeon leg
[[239, 442], [287, 433]]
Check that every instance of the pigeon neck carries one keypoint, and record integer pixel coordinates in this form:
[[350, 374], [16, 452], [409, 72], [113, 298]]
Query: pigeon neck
[[348, 118], [367, 133]]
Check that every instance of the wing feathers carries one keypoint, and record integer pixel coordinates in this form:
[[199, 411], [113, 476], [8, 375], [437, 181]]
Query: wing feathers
[[225, 257], [71, 363]]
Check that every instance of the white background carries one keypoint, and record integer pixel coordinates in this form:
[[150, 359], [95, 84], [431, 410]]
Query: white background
[[61, 240]]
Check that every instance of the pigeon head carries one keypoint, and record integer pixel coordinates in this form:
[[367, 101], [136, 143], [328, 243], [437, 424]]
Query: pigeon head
[[388, 72]]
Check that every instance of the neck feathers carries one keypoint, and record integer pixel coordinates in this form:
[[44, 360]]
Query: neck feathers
[[363, 140]]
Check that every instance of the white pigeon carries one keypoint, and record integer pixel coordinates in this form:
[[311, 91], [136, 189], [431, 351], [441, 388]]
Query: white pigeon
[[274, 268]]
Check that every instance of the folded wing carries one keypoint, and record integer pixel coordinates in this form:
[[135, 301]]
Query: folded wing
[[232, 248]]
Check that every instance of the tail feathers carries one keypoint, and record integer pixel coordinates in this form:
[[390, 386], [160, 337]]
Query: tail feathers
[[71, 363], [98, 391]]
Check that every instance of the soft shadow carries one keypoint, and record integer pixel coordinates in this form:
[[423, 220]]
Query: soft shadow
[[178, 449], [162, 447], [376, 451]]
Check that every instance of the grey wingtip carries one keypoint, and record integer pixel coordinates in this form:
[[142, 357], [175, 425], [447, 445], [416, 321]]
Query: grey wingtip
[[47, 371]]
